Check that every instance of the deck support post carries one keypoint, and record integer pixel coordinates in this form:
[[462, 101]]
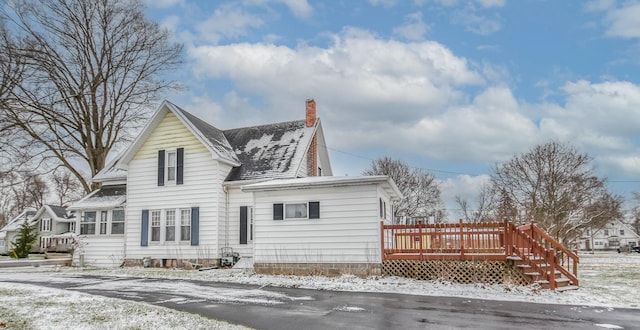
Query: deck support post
[[461, 239]]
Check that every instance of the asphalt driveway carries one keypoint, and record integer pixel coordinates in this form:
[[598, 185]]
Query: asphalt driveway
[[288, 308]]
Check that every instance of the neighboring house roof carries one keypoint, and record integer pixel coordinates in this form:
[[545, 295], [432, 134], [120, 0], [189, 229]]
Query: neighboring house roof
[[16, 222], [269, 151], [327, 181], [58, 213], [103, 198]]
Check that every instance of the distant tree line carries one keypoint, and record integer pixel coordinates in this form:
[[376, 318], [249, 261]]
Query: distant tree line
[[552, 184]]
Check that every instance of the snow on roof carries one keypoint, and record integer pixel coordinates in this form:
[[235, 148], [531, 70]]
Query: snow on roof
[[106, 197], [212, 134], [269, 151], [16, 222], [326, 181], [111, 172]]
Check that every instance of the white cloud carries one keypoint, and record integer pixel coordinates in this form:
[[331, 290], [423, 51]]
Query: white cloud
[[362, 76], [384, 3], [413, 29], [475, 23], [599, 5], [466, 187], [491, 3], [624, 22], [227, 21], [619, 21], [299, 8], [163, 3]]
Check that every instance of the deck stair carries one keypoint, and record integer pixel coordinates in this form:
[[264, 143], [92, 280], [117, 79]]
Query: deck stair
[[543, 259]]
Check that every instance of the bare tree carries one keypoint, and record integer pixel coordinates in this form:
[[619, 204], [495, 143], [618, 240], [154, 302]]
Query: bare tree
[[19, 192], [484, 211], [66, 187], [420, 189], [555, 186], [90, 71]]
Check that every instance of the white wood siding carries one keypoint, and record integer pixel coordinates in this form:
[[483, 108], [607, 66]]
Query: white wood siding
[[231, 236], [348, 230], [202, 188], [170, 134], [101, 251]]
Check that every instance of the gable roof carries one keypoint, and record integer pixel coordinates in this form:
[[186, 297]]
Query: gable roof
[[269, 151], [257, 152], [58, 213], [211, 137]]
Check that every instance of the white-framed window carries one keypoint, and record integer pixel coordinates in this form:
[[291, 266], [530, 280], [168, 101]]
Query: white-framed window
[[295, 211], [185, 224], [171, 166], [117, 222], [155, 226], [45, 224], [103, 222], [88, 223], [606, 232], [621, 232], [250, 226], [72, 227], [170, 225]]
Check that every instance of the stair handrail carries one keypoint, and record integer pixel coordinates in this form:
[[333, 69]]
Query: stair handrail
[[545, 240], [571, 258], [522, 240]]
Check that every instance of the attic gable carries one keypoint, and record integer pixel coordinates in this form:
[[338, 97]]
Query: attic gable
[[170, 119]]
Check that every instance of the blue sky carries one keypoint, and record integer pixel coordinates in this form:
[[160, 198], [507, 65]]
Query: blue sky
[[451, 86]]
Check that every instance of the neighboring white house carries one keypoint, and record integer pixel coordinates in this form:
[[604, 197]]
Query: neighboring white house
[[188, 191], [55, 229], [614, 235], [9, 232]]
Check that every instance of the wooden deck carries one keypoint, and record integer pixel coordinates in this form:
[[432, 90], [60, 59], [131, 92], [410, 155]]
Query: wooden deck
[[534, 251]]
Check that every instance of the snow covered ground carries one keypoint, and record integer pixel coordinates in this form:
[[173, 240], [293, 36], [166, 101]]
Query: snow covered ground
[[609, 280]]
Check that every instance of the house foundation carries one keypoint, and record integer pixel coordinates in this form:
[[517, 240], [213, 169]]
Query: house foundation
[[171, 263], [324, 269]]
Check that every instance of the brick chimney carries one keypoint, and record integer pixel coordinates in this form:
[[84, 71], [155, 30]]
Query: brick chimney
[[312, 153], [311, 112]]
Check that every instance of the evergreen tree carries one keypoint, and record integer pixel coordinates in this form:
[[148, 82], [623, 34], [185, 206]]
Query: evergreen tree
[[23, 243]]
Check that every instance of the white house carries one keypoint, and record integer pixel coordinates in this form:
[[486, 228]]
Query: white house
[[189, 192], [55, 229], [9, 232], [614, 235]]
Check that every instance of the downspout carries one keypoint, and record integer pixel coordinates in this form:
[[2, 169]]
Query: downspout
[[226, 215]]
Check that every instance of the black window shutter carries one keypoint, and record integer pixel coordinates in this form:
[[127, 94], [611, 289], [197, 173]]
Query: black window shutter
[[277, 211], [180, 167], [160, 167], [381, 209], [314, 210], [243, 224], [195, 226], [144, 237]]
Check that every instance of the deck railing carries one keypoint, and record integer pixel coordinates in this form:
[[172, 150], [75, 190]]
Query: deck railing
[[480, 241]]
